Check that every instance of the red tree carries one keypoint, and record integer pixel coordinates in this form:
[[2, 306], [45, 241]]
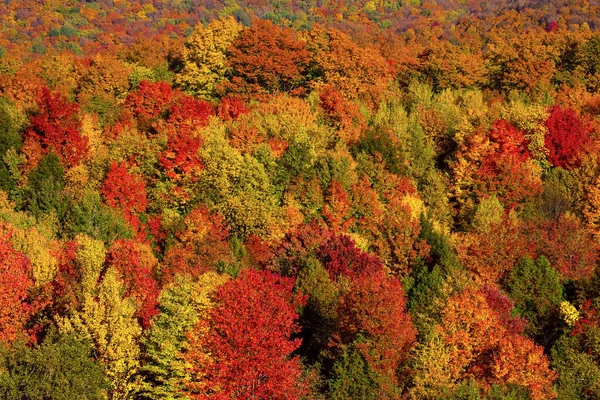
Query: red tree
[[125, 191], [567, 137], [180, 158], [507, 171], [340, 256], [249, 341], [190, 111], [136, 265], [15, 282], [56, 127], [150, 100]]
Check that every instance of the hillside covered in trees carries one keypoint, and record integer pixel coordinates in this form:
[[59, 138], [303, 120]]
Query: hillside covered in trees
[[299, 200]]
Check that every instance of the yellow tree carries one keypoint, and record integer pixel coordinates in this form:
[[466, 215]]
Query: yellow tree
[[106, 318], [31, 239], [102, 76], [591, 208], [530, 119], [183, 303], [37, 248], [205, 56], [237, 187]]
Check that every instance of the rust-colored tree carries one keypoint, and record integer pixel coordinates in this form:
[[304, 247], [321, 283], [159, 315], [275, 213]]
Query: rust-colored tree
[[491, 255], [266, 59], [231, 107], [486, 345], [296, 246], [342, 114], [397, 239], [568, 246], [373, 308], [66, 286], [336, 211], [201, 244], [357, 72]]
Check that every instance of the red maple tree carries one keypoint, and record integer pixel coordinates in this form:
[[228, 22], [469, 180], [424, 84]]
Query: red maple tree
[[249, 341], [15, 282], [567, 137], [56, 127], [125, 191]]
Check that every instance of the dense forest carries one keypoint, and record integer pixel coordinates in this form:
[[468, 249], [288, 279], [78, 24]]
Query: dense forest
[[299, 199]]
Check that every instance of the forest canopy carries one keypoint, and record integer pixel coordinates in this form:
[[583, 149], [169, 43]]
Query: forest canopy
[[299, 200]]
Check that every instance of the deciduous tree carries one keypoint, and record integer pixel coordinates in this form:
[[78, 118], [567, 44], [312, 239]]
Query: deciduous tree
[[567, 137], [56, 126], [249, 341], [266, 59], [205, 56], [15, 283]]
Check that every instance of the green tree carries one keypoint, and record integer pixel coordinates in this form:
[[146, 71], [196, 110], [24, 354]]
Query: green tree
[[318, 317], [91, 217], [535, 288], [61, 368], [182, 304], [578, 372], [352, 378], [44, 193], [12, 122]]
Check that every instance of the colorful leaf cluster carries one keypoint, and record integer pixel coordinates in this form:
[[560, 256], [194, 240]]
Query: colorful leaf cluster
[[296, 200]]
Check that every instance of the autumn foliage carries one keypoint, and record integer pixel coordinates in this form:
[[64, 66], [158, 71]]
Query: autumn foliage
[[249, 341], [56, 127], [300, 200], [373, 307], [268, 59], [15, 284], [567, 138], [488, 346], [138, 267], [200, 245], [125, 191]]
